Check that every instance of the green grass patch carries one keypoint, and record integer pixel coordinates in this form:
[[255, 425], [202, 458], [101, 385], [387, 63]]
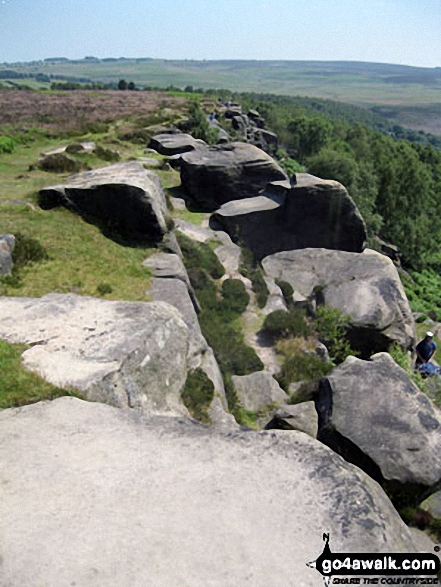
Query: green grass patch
[[295, 333], [200, 256], [302, 367], [19, 387], [281, 324], [250, 268], [197, 395], [78, 257], [6, 144], [331, 326], [424, 292], [193, 217]]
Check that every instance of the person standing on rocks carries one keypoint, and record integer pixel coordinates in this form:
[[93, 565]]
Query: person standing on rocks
[[425, 350]]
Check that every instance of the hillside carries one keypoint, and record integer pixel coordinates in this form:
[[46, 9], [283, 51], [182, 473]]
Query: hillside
[[197, 339], [411, 96]]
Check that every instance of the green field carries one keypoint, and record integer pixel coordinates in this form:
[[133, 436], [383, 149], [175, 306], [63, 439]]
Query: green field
[[411, 96]]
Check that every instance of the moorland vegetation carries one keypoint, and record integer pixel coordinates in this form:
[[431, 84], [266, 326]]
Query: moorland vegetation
[[394, 181]]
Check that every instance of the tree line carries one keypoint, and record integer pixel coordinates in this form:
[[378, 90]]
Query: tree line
[[396, 183]]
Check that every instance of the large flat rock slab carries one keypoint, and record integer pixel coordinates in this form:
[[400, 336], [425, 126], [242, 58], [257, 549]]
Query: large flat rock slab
[[365, 286], [94, 496], [123, 199], [215, 175], [128, 354], [312, 212]]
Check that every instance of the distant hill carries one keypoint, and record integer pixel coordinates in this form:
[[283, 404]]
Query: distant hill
[[410, 96]]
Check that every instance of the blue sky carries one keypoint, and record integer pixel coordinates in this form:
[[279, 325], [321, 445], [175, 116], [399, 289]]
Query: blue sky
[[389, 31]]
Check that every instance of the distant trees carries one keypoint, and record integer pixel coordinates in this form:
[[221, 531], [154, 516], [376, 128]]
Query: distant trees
[[199, 126], [309, 134], [395, 183], [123, 85]]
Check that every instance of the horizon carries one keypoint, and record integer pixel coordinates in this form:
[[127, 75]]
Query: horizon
[[219, 60], [395, 32]]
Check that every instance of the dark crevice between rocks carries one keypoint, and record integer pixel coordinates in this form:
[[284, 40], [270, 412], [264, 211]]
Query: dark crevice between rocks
[[367, 341], [401, 494]]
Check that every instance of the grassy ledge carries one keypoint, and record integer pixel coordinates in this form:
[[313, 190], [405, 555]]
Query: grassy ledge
[[20, 387]]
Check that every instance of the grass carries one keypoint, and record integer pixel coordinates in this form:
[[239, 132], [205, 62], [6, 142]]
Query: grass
[[80, 258], [192, 217], [197, 395], [251, 269], [423, 292], [200, 256], [19, 387], [221, 309]]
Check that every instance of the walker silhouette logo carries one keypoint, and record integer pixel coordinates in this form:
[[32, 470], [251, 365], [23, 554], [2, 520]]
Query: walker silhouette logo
[[359, 566]]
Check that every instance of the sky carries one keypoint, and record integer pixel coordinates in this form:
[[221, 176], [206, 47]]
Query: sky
[[406, 32]]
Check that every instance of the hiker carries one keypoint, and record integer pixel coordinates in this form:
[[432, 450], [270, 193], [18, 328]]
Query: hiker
[[425, 350]]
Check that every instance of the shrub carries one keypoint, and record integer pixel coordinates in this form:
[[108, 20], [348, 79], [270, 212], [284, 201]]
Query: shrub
[[228, 345], [287, 292], [106, 154], [251, 269], [200, 256], [331, 326], [198, 394], [27, 250], [290, 166], [198, 125], [280, 324], [301, 367], [205, 288], [59, 163], [103, 289], [218, 314], [6, 144], [235, 297]]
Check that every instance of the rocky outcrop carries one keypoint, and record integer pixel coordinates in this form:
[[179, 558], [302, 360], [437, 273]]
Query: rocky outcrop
[[301, 417], [366, 287], [175, 144], [128, 500], [168, 266], [175, 293], [310, 213], [212, 176], [74, 148], [258, 391], [7, 244], [251, 127], [374, 414], [128, 354], [172, 285], [124, 199], [433, 505]]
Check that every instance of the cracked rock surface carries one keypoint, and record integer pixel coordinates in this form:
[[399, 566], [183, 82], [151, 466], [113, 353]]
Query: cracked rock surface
[[128, 354]]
